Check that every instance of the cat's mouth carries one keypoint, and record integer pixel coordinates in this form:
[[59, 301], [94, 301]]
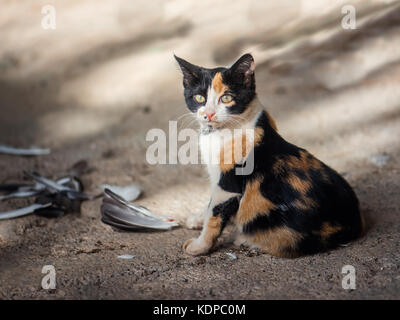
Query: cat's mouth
[[214, 124], [209, 123], [209, 127]]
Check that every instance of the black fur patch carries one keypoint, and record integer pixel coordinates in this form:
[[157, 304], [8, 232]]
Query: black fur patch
[[226, 209], [330, 199]]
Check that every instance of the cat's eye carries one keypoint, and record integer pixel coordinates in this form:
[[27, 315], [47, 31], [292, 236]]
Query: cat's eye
[[199, 98], [226, 98]]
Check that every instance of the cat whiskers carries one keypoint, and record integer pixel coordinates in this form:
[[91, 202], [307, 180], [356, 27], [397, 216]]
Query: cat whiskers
[[187, 123], [234, 122], [187, 116], [184, 115]]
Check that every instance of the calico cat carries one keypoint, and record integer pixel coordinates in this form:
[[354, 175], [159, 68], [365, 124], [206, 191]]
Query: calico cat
[[291, 204]]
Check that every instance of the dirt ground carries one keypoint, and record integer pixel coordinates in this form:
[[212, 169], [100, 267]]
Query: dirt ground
[[91, 89]]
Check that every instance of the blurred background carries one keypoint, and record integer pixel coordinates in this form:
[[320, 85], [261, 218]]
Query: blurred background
[[92, 88]]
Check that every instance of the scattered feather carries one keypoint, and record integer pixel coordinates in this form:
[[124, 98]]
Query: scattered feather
[[118, 212], [23, 152], [19, 194], [27, 190], [51, 185], [118, 225], [23, 211], [129, 193]]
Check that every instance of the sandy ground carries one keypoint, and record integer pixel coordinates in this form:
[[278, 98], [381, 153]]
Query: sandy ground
[[92, 88]]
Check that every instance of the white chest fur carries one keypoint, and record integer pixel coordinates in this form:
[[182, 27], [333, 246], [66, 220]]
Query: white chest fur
[[212, 143], [210, 146]]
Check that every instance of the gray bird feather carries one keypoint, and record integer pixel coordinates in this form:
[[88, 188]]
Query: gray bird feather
[[23, 151], [24, 191], [51, 185], [23, 211], [129, 193], [117, 211]]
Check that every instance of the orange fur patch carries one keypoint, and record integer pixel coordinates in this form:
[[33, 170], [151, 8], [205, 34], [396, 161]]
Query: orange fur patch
[[213, 230], [299, 184], [217, 84], [304, 163], [253, 203], [237, 149], [305, 203], [302, 186], [277, 241], [327, 230], [279, 166]]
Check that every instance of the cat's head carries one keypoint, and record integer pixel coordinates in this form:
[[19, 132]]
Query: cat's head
[[219, 96]]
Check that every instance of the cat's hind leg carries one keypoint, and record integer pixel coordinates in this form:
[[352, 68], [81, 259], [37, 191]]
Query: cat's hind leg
[[240, 239], [196, 221]]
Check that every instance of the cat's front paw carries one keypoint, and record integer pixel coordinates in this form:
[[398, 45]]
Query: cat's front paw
[[194, 222], [195, 247]]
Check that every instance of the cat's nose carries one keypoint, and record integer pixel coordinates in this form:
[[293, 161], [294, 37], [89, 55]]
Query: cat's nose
[[210, 115]]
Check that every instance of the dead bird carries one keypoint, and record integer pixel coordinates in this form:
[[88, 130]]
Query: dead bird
[[65, 198], [54, 198]]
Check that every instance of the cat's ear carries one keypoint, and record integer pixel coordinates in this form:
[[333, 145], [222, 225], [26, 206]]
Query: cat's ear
[[243, 70], [191, 73]]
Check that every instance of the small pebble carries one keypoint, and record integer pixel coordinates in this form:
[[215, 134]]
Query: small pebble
[[379, 160], [125, 256], [146, 109], [231, 255]]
